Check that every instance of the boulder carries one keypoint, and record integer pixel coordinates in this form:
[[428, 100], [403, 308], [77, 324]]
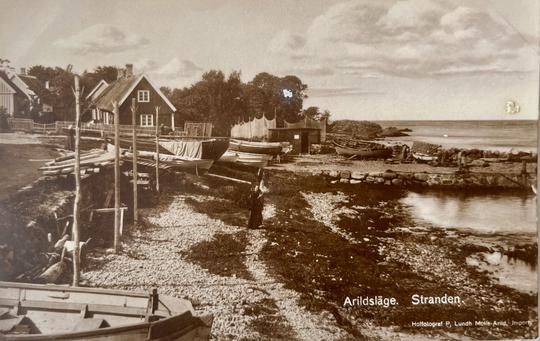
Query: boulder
[[421, 176], [380, 180], [358, 175], [345, 175], [333, 173], [355, 181], [397, 182], [344, 181], [389, 175]]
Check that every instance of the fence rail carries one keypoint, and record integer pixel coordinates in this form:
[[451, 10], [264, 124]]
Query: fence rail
[[194, 129]]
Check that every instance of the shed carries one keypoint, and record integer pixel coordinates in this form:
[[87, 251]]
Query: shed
[[301, 139]]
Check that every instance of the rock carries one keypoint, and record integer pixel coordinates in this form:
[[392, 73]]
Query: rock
[[345, 175], [380, 180], [421, 176], [370, 179], [344, 181], [387, 182], [389, 175], [354, 181], [397, 182], [375, 174], [358, 175], [333, 173], [316, 172]]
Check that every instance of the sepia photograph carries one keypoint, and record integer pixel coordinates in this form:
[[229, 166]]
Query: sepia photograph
[[269, 170]]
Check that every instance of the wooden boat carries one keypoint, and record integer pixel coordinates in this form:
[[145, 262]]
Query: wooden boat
[[211, 148], [423, 157], [270, 148], [54, 312], [363, 152], [173, 161], [229, 156], [248, 159]]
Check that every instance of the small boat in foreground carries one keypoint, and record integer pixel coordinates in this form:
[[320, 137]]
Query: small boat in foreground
[[270, 148], [55, 312], [363, 152]]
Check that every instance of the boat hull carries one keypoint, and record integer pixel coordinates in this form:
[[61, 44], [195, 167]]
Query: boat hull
[[53, 312], [364, 153], [269, 148], [423, 157]]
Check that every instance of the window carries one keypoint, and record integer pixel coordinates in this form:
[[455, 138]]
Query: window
[[143, 96], [147, 120]]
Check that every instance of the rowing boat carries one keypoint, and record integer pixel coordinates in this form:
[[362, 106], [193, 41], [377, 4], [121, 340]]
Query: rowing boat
[[364, 152], [54, 312], [248, 159], [270, 148], [174, 161]]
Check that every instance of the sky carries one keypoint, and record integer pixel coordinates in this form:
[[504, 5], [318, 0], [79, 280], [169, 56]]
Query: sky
[[361, 59]]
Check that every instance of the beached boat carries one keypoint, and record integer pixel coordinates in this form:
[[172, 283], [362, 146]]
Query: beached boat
[[174, 161], [248, 159], [363, 152], [54, 312], [270, 148], [423, 157], [209, 148]]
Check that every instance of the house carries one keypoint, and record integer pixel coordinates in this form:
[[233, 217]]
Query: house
[[123, 90], [19, 94], [300, 138], [11, 96]]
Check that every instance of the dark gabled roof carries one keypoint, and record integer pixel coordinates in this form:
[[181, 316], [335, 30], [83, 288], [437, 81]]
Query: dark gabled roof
[[115, 92], [120, 89], [33, 83], [6, 79]]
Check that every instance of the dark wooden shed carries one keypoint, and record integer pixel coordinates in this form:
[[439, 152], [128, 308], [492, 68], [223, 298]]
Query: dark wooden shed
[[301, 139]]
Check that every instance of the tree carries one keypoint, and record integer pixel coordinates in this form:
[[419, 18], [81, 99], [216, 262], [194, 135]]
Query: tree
[[315, 113]]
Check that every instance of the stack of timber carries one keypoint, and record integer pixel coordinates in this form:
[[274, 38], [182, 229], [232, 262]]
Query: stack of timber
[[53, 312], [91, 162]]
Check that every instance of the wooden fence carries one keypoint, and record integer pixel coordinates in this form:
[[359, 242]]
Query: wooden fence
[[192, 129]]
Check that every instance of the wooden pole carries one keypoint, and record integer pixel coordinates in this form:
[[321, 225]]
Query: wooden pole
[[134, 132], [157, 149], [116, 176], [77, 203]]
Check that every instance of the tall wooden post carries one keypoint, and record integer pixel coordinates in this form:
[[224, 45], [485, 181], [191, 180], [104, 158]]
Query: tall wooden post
[[135, 174], [116, 176], [157, 149], [77, 203]]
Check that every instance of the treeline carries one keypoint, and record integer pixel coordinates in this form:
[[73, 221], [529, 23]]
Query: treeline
[[216, 98], [225, 101]]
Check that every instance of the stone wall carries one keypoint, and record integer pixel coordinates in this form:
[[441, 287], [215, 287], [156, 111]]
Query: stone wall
[[444, 180]]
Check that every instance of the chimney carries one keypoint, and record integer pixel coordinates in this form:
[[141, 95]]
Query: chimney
[[120, 73], [129, 70], [23, 71]]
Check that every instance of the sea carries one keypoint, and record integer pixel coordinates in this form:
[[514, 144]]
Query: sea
[[507, 136]]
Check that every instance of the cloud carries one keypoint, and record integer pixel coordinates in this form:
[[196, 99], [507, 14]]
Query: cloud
[[340, 92], [101, 39], [178, 68], [145, 65], [411, 38]]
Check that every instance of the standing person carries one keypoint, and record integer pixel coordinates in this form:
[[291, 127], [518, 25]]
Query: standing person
[[70, 139], [257, 201]]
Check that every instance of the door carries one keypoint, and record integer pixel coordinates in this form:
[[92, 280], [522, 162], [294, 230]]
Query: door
[[304, 142]]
